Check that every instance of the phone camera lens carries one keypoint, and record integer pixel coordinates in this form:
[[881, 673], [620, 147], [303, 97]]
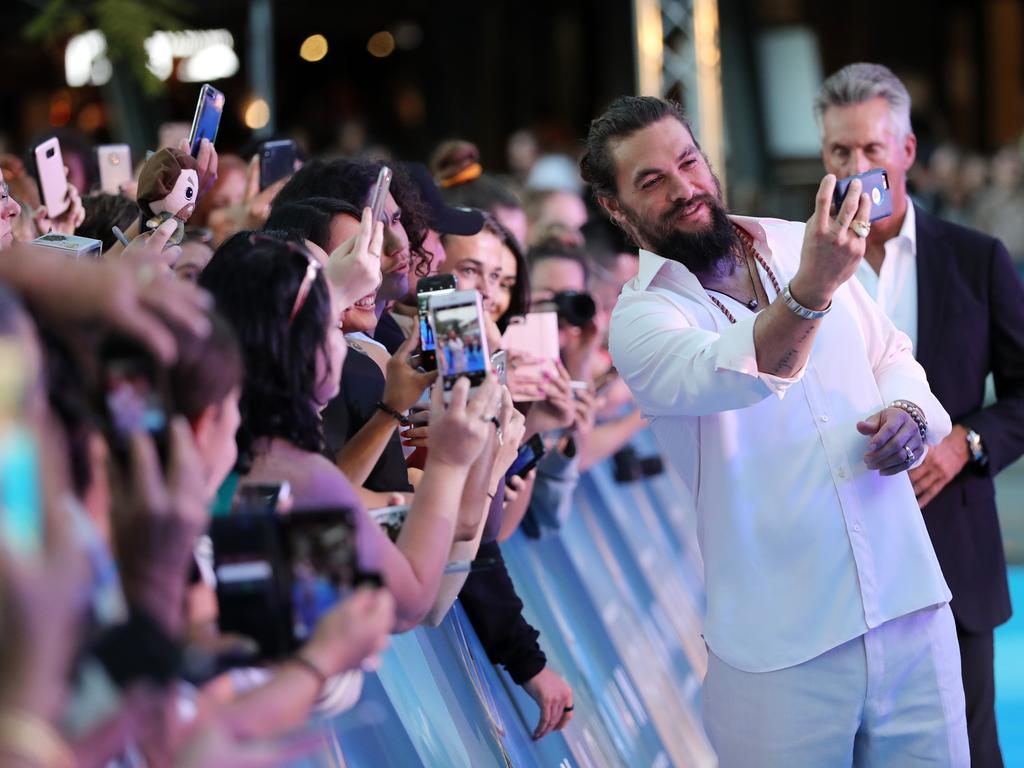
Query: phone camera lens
[[49, 153]]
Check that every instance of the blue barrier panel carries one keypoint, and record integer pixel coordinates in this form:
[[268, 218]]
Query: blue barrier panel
[[574, 637]]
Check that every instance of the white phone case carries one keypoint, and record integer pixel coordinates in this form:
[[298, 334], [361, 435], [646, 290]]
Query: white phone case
[[115, 165], [53, 182]]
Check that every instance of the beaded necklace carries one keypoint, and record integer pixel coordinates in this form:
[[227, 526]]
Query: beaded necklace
[[748, 244]]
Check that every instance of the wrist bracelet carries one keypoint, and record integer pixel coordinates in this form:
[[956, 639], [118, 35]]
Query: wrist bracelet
[[800, 310], [33, 739], [397, 416], [914, 412], [312, 668]]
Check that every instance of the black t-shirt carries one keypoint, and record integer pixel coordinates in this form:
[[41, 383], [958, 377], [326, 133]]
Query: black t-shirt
[[389, 333], [362, 386]]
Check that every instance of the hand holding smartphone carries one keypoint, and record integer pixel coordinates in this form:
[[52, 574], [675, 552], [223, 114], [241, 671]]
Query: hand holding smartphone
[[379, 194], [875, 184], [206, 121], [51, 177], [458, 328], [115, 166]]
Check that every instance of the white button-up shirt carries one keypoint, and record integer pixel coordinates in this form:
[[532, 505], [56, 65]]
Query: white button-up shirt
[[804, 547], [894, 287]]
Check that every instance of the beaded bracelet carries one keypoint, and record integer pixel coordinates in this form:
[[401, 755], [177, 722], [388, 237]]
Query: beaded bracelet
[[396, 415], [914, 412]]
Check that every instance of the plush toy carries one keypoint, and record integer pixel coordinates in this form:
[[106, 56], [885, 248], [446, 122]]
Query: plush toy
[[168, 188]]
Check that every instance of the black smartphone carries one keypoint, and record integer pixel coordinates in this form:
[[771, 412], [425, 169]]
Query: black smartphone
[[379, 194], [278, 574], [530, 454], [135, 396], [425, 287], [277, 161], [206, 121], [874, 183]]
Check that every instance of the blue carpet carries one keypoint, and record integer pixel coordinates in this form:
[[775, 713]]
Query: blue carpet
[[1010, 676]]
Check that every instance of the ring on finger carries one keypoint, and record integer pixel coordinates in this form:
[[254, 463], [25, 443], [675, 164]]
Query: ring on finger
[[860, 228], [910, 456]]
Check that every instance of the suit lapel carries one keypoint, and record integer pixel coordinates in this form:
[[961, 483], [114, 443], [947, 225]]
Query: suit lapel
[[934, 265]]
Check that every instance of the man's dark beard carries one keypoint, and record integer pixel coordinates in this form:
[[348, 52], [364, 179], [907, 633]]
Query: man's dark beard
[[710, 251]]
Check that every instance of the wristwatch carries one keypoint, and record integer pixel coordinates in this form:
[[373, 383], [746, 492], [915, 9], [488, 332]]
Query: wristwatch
[[976, 448]]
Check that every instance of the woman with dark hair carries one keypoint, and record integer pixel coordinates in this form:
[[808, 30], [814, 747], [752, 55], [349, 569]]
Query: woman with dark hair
[[512, 296], [280, 303], [463, 181]]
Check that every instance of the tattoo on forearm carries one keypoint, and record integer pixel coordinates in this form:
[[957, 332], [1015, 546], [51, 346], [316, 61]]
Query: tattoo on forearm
[[785, 363]]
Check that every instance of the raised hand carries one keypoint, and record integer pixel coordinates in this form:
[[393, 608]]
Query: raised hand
[[831, 249], [895, 443], [353, 268], [461, 429]]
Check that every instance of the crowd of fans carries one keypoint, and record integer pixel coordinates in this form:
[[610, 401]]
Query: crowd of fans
[[281, 348], [985, 193]]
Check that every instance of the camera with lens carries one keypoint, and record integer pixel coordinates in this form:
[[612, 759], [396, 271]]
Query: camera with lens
[[574, 308]]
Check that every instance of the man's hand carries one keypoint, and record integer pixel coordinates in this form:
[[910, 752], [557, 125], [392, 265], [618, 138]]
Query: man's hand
[[554, 696], [892, 432], [831, 250], [943, 462]]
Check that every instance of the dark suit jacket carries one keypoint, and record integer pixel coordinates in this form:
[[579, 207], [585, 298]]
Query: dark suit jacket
[[970, 323]]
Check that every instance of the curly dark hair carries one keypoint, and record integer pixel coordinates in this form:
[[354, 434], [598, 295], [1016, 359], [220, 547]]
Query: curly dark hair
[[254, 278], [352, 180], [624, 117]]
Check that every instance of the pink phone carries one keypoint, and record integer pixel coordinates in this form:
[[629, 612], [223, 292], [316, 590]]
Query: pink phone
[[536, 333], [53, 182]]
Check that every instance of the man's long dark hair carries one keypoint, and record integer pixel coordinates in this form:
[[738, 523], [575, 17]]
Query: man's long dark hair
[[254, 278]]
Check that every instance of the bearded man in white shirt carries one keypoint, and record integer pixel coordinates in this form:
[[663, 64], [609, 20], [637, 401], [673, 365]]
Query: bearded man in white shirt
[[792, 408]]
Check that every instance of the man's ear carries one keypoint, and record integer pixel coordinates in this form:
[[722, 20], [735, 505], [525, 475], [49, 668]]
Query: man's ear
[[612, 208], [203, 424], [909, 150]]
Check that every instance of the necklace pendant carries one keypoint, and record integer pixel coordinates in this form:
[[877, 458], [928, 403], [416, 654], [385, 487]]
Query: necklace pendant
[[752, 304]]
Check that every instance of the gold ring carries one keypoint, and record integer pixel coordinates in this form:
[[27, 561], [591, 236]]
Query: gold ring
[[860, 228]]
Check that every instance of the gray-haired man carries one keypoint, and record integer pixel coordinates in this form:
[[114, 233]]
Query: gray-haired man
[[954, 292]]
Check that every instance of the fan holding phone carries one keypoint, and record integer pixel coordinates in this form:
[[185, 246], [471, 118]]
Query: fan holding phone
[[62, 210]]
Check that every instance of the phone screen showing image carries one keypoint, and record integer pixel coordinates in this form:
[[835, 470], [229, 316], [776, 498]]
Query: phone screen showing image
[[461, 344]]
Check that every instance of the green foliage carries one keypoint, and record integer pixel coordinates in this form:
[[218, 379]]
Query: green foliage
[[125, 23]]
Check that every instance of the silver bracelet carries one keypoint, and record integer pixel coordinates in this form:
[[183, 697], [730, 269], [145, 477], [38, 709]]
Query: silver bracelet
[[800, 310], [914, 411]]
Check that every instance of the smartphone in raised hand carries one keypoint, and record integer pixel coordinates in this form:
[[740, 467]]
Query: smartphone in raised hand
[[379, 193], [206, 121], [50, 175], [426, 287], [457, 323], [277, 161], [875, 184], [115, 166]]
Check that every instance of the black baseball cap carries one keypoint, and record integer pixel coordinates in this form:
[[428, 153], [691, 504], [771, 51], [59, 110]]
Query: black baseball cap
[[443, 218]]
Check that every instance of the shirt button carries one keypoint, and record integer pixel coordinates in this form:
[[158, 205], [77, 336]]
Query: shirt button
[[824, 418], [842, 474], [856, 527]]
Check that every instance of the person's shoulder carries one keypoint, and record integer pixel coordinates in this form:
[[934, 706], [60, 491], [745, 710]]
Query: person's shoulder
[[323, 485], [958, 237]]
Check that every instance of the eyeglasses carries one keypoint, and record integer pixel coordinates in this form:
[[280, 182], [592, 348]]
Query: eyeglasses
[[313, 267]]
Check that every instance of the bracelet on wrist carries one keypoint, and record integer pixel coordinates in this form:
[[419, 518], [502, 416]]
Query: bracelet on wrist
[[396, 415], [915, 413], [310, 667], [800, 310]]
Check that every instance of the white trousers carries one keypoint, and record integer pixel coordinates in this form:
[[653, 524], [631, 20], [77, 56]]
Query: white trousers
[[892, 697]]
